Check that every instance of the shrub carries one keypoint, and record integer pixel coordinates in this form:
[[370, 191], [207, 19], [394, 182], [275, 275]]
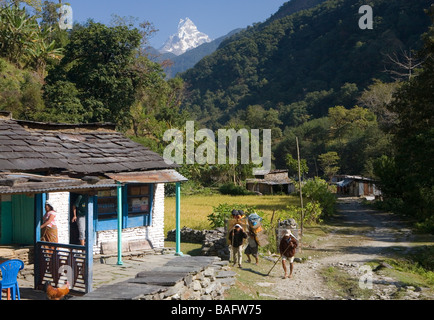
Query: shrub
[[233, 189], [318, 192], [312, 213], [223, 211]]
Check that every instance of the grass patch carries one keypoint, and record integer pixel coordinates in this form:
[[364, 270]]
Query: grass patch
[[410, 273], [252, 282], [196, 208], [192, 249], [344, 285]]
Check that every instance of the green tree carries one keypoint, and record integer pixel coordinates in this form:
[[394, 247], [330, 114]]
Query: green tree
[[24, 42], [63, 104], [376, 98], [99, 61], [17, 31], [414, 133], [43, 52], [292, 165], [318, 191], [345, 122], [328, 162], [391, 182]]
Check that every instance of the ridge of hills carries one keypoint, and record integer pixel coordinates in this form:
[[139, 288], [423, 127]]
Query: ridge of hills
[[294, 53]]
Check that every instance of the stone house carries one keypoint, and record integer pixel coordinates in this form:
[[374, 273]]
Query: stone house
[[122, 180], [272, 182]]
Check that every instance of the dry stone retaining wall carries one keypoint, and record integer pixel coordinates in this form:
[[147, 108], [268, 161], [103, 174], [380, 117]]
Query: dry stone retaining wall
[[213, 241]]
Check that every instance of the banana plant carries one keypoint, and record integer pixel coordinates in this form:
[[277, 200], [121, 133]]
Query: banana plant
[[40, 51], [16, 30], [23, 42]]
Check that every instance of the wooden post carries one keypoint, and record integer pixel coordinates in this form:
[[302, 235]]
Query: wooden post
[[119, 198], [89, 243], [301, 193], [178, 219], [39, 204]]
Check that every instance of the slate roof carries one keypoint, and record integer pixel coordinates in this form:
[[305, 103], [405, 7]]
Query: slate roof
[[84, 149]]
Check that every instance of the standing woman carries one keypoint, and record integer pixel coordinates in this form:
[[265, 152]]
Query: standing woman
[[49, 227]]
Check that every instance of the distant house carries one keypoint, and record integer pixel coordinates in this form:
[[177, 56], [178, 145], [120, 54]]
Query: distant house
[[270, 183], [356, 186], [122, 180]]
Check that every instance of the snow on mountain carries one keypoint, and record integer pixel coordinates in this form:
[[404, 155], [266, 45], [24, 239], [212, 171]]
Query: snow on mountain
[[188, 37]]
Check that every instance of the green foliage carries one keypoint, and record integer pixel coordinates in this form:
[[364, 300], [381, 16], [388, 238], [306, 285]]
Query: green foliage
[[352, 136], [318, 192], [389, 182], [24, 42], [312, 213], [409, 175], [233, 189], [63, 104], [418, 264], [328, 161], [292, 165], [344, 122], [320, 203], [17, 30], [290, 62], [224, 211], [20, 91], [101, 73], [376, 98]]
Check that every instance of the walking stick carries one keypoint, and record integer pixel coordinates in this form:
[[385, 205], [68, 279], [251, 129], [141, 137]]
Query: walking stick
[[278, 259], [276, 262]]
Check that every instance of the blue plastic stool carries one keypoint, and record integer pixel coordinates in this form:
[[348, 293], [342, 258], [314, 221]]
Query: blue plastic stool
[[9, 271]]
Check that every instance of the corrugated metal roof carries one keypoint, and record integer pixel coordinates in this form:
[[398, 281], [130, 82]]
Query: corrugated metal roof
[[155, 176]]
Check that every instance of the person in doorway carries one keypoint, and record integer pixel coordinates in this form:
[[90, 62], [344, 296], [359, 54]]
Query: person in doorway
[[252, 248], [49, 227], [79, 210], [287, 248], [236, 238]]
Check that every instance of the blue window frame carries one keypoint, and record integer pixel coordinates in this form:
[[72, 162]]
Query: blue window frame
[[137, 202]]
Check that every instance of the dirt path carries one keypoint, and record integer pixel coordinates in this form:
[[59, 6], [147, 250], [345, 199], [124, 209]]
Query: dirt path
[[358, 236]]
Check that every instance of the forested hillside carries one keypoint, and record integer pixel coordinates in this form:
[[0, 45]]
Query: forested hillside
[[358, 101], [315, 51]]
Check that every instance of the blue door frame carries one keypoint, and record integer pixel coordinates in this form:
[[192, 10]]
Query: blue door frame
[[40, 200]]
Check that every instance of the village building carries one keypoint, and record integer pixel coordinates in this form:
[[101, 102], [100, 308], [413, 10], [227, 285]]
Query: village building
[[356, 186], [272, 182], [123, 183]]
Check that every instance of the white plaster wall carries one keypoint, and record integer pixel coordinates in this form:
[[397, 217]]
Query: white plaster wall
[[60, 201], [154, 233]]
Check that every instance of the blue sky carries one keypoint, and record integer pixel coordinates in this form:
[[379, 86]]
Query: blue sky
[[213, 17]]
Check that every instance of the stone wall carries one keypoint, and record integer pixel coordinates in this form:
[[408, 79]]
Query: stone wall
[[213, 242], [170, 278], [208, 284]]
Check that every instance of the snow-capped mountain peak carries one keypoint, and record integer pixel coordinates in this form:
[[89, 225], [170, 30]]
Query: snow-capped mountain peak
[[188, 37]]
